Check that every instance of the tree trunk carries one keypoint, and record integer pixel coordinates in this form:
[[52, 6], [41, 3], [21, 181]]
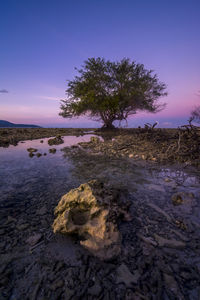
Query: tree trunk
[[108, 125]]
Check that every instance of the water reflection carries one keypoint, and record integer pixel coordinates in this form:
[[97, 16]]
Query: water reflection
[[22, 176]]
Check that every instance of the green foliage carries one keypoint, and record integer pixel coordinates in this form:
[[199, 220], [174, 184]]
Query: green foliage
[[110, 91]]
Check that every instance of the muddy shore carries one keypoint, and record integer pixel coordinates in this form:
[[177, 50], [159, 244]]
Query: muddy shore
[[159, 258]]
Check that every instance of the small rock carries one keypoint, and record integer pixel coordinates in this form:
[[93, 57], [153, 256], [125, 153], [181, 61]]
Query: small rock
[[34, 239], [167, 179], [22, 227], [95, 139], [38, 154], [52, 150], [68, 293], [42, 211], [147, 240], [130, 155], [2, 231], [95, 290], [182, 198], [56, 141], [32, 150], [10, 220], [57, 284], [171, 284], [162, 242], [125, 276]]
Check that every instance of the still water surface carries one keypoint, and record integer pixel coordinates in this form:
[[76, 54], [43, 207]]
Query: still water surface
[[22, 176], [35, 179]]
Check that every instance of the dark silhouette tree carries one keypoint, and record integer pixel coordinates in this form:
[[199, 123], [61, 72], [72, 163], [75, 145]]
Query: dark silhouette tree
[[108, 91], [195, 115]]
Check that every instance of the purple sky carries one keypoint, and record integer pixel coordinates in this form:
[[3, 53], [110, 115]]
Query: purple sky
[[42, 42]]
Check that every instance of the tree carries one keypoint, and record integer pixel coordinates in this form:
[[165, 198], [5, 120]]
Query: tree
[[195, 115], [108, 91]]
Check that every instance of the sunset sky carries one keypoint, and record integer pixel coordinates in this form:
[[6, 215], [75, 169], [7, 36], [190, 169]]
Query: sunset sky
[[42, 41]]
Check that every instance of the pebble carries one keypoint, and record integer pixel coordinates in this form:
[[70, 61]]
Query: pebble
[[22, 226], [34, 239], [95, 290]]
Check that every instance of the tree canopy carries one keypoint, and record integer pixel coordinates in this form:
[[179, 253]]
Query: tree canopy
[[108, 91]]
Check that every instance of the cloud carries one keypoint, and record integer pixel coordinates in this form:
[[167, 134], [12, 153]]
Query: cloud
[[167, 123], [49, 98], [3, 91]]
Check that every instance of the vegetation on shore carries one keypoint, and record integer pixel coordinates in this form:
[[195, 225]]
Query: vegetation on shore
[[157, 145], [111, 91]]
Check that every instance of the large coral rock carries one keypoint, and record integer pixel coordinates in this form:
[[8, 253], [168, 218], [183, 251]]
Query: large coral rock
[[91, 211]]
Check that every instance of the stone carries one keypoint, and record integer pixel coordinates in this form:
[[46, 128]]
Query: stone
[[182, 198], [125, 276], [2, 231], [34, 239], [147, 240], [95, 139], [162, 242], [68, 293], [160, 211], [11, 219], [95, 290], [22, 227], [38, 154], [56, 141], [52, 150], [90, 211], [172, 285], [167, 179], [42, 211], [31, 154], [31, 150], [57, 284]]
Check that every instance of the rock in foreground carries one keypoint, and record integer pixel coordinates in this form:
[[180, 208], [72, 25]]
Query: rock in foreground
[[91, 211]]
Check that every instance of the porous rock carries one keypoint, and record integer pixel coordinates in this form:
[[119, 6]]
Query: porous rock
[[91, 211]]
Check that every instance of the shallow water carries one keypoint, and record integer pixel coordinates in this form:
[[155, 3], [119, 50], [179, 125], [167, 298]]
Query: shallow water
[[27, 179], [20, 174], [31, 187]]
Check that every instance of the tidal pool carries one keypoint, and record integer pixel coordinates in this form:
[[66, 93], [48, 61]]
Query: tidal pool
[[21, 175], [161, 238]]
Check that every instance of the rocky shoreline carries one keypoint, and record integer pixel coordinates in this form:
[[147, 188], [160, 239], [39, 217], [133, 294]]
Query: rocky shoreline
[[160, 247], [11, 136]]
